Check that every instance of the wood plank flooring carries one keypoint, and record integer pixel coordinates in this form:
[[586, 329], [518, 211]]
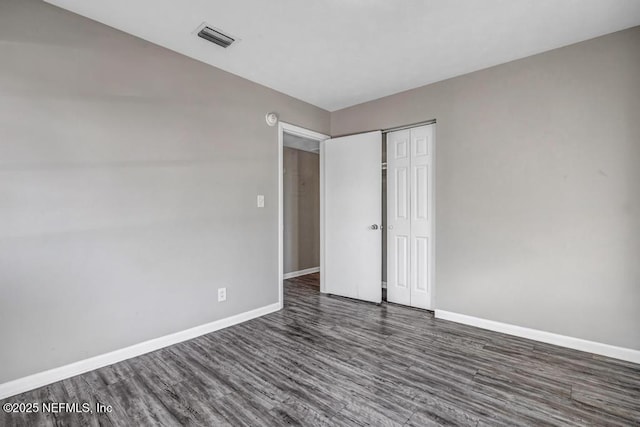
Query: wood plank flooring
[[330, 361]]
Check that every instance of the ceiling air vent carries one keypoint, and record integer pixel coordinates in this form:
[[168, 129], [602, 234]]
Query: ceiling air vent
[[215, 36]]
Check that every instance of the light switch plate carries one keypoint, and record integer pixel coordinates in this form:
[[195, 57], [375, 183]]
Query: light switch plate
[[260, 201]]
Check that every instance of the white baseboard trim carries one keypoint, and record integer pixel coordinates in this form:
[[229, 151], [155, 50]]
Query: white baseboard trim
[[34, 381], [301, 273], [621, 353]]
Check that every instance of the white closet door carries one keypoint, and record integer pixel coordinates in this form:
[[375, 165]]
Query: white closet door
[[398, 217], [351, 216], [421, 215], [410, 216]]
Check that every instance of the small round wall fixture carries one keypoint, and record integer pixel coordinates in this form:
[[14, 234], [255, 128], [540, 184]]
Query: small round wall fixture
[[272, 119]]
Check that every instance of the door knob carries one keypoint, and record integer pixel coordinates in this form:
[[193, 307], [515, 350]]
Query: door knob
[[391, 227], [374, 227]]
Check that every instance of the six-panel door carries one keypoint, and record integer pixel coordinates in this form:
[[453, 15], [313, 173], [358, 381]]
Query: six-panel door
[[410, 216]]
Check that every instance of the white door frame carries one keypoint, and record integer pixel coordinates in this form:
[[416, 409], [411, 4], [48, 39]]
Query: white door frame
[[434, 252], [305, 133]]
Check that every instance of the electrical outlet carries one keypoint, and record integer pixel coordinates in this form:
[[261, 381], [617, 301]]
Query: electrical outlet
[[222, 294], [260, 201]]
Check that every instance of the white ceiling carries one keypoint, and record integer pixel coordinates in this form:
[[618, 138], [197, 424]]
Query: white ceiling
[[337, 53]]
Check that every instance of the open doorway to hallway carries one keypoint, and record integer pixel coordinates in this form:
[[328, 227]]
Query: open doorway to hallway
[[301, 206], [299, 203]]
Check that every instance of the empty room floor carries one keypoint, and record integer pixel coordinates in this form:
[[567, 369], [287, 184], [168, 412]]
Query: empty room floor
[[332, 361]]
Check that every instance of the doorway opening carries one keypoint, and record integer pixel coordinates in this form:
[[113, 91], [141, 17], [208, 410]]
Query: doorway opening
[[299, 203]]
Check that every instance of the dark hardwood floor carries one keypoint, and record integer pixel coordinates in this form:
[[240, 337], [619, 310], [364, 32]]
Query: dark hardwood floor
[[333, 361]]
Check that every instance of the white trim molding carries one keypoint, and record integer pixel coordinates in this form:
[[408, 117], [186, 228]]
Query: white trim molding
[[41, 379], [601, 349], [299, 273]]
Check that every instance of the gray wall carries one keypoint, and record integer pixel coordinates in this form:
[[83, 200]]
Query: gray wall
[[301, 209], [128, 183], [538, 187]]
